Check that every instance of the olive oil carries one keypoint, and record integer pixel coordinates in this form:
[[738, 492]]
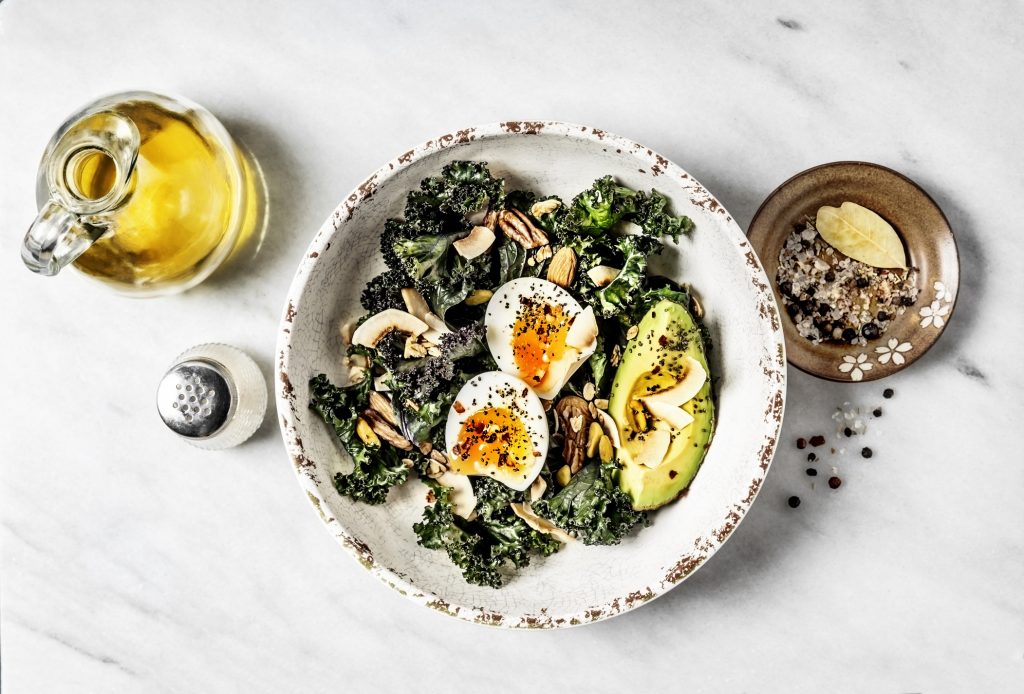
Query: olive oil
[[179, 209], [156, 191]]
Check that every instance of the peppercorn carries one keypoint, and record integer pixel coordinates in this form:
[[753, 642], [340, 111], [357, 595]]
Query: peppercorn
[[866, 452], [907, 301], [870, 331], [847, 432], [801, 443], [811, 457], [830, 276], [877, 412], [794, 501], [811, 290], [811, 472], [786, 288], [792, 310], [888, 393], [817, 440], [823, 309], [834, 482], [883, 316], [849, 335]]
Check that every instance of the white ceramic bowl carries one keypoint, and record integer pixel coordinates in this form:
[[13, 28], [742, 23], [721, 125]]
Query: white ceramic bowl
[[579, 584]]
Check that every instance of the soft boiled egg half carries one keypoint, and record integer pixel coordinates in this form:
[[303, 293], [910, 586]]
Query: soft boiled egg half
[[538, 332], [497, 427]]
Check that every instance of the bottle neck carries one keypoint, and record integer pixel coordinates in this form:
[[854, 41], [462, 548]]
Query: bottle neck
[[88, 171]]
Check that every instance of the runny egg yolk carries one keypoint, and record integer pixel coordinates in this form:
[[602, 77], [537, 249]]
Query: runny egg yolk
[[538, 338], [493, 440]]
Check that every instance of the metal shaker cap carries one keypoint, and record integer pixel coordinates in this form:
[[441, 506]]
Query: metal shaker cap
[[214, 396], [196, 398]]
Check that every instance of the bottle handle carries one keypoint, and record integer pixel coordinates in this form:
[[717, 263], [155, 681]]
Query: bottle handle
[[71, 220], [56, 238]]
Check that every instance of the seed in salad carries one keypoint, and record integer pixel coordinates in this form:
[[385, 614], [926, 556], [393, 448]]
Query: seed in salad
[[794, 501], [817, 440], [888, 393], [847, 432], [811, 472], [834, 482], [877, 412], [563, 475], [811, 457], [801, 443], [479, 296], [866, 452]]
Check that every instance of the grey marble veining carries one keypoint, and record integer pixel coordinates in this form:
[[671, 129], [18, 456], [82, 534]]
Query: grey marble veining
[[133, 563]]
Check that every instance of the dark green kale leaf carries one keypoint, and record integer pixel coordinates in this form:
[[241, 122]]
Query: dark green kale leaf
[[654, 218], [426, 258], [511, 260], [592, 507], [384, 291], [424, 379], [617, 297], [597, 210], [459, 277], [377, 469], [425, 388], [600, 207], [495, 539], [463, 187]]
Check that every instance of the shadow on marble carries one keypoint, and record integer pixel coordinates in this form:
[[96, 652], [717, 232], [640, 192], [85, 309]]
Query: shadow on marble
[[268, 429], [974, 283], [278, 166]]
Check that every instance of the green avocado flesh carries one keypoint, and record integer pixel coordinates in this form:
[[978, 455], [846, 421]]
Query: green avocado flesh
[[655, 360]]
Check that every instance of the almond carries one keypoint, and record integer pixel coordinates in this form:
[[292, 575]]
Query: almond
[[562, 270]]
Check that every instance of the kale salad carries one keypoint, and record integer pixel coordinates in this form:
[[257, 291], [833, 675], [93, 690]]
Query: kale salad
[[519, 358]]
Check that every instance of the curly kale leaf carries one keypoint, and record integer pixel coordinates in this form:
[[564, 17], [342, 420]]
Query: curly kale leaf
[[597, 210], [424, 379], [593, 507], [384, 291], [426, 387], [377, 469], [495, 539], [430, 262], [461, 277], [600, 207], [425, 258], [654, 218], [618, 297], [463, 187]]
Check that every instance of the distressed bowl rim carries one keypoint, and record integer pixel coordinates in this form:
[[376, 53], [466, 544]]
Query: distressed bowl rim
[[286, 401]]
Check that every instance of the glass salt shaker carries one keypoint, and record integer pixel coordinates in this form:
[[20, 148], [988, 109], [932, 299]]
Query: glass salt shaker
[[213, 397]]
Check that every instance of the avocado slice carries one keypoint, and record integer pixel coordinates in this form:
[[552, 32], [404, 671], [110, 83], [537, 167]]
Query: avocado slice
[[655, 360]]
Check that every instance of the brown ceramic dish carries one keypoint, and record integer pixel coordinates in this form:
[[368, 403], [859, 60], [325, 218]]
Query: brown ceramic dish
[[927, 238]]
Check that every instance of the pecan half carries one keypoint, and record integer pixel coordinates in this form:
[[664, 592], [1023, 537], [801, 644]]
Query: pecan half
[[491, 220], [385, 431], [380, 403], [518, 227], [574, 418]]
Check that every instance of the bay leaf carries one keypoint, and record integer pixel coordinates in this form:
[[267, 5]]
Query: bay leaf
[[861, 234]]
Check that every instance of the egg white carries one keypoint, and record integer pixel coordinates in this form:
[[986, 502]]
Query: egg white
[[496, 389], [504, 308]]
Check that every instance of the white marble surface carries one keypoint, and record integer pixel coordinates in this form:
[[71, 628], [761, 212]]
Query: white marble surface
[[134, 564]]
